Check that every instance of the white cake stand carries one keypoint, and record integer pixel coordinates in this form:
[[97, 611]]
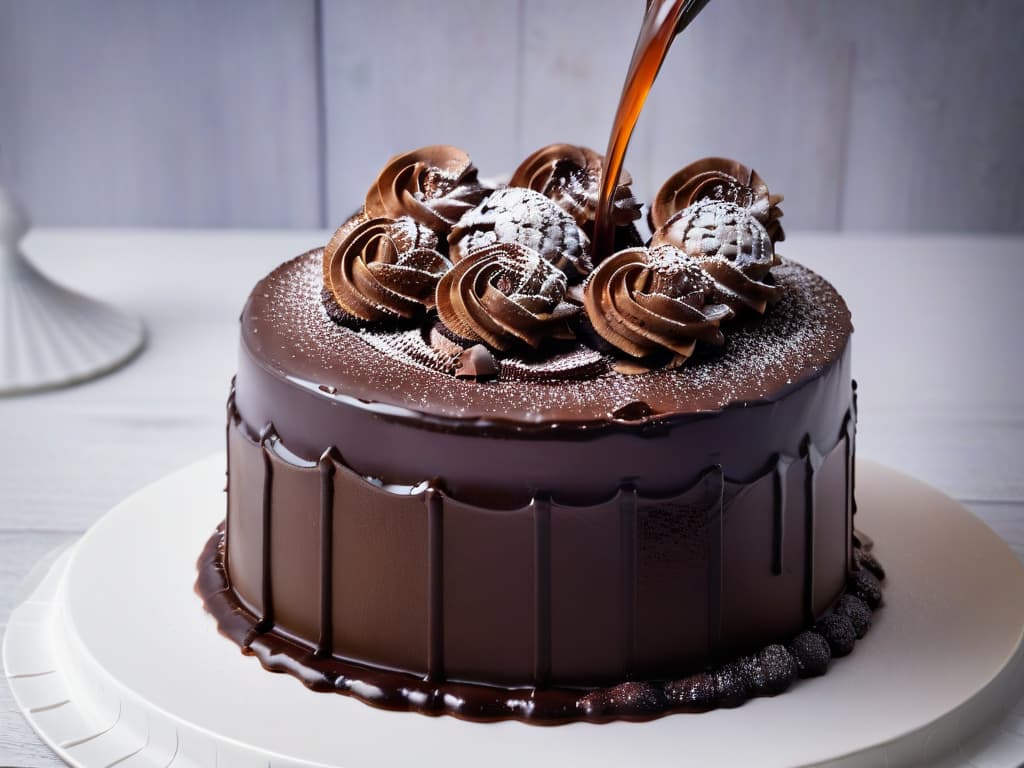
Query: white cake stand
[[114, 661], [51, 336]]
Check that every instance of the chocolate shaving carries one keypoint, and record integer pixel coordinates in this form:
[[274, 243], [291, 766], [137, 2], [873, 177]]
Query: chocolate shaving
[[477, 363]]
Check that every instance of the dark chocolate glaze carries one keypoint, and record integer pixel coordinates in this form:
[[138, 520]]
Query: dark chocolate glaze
[[266, 588], [325, 644], [491, 549], [813, 459], [782, 465], [435, 586]]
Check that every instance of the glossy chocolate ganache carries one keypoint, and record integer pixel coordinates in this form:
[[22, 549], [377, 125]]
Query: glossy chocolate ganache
[[494, 452]]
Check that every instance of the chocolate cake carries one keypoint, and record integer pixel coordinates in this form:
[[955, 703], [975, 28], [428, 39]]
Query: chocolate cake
[[477, 468]]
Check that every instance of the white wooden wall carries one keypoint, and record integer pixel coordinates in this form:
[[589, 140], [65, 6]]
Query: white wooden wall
[[875, 114]]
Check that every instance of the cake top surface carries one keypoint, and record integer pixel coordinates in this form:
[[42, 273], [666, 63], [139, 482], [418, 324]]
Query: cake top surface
[[287, 330], [539, 302]]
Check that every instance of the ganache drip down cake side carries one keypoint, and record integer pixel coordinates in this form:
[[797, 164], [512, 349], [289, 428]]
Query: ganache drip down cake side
[[474, 469]]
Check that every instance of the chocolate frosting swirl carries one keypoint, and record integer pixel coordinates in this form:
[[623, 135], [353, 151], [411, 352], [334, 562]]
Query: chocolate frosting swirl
[[503, 293], [383, 269], [570, 176], [643, 301], [718, 178], [525, 217], [435, 185], [732, 246]]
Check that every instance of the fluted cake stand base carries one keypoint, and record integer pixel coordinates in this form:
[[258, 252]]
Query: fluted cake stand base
[[51, 336], [113, 661]]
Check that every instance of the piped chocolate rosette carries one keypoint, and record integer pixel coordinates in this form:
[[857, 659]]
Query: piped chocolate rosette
[[384, 263], [502, 282], [381, 269], [649, 301], [435, 185], [504, 293], [570, 176], [718, 178]]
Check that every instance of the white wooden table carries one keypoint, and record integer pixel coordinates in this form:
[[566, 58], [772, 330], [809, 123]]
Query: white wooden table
[[937, 352]]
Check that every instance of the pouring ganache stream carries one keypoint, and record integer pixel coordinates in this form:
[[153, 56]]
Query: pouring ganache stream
[[663, 21]]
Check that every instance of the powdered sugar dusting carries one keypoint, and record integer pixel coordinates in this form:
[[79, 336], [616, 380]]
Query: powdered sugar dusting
[[285, 323]]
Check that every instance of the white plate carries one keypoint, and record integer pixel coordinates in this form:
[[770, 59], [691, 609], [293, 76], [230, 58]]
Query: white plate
[[115, 662]]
